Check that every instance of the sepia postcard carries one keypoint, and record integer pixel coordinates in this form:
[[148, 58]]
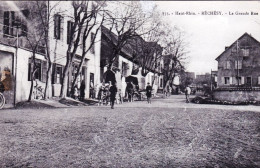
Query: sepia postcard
[[130, 84]]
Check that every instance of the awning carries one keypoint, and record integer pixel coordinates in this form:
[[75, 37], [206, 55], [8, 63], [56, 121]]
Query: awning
[[132, 79]]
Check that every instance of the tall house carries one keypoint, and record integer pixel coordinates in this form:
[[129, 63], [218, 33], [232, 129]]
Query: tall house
[[20, 27], [239, 63]]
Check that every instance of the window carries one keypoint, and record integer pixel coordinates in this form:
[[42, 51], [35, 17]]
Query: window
[[245, 52], [248, 80], [58, 74], [238, 64], [161, 82], [238, 80], [58, 27], [124, 68], [92, 49], [227, 66], [234, 49], [69, 31], [227, 80], [40, 70], [12, 21], [9, 21], [24, 28]]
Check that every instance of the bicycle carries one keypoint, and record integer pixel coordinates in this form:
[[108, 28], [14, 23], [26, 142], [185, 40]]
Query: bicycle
[[2, 100]]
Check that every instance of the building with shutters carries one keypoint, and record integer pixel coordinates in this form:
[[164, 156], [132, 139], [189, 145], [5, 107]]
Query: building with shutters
[[126, 64], [239, 64], [238, 77], [16, 52]]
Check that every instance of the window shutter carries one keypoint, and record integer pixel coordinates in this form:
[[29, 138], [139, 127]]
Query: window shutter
[[53, 78], [6, 22], [242, 80], [230, 80], [55, 25], [223, 80], [13, 23], [61, 27], [61, 74], [92, 49], [29, 69], [44, 71], [258, 80], [68, 32]]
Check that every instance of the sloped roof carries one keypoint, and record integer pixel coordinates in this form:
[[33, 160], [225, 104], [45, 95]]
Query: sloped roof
[[245, 34], [128, 49]]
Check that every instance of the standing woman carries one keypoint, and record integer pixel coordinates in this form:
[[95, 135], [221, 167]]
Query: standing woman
[[149, 92]]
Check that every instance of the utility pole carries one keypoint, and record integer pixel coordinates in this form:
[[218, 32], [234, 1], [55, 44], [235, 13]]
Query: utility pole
[[211, 87], [16, 56], [237, 65]]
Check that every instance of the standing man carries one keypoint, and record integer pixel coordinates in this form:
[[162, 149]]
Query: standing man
[[82, 90], [91, 89], [113, 91], [149, 92], [187, 93], [129, 89]]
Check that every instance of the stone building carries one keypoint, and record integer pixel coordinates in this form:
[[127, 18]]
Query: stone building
[[238, 77], [239, 64]]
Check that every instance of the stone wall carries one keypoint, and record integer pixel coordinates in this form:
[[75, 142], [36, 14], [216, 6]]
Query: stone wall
[[237, 95]]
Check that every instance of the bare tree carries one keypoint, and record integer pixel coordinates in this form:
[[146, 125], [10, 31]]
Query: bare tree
[[124, 23], [91, 28], [34, 34], [44, 16], [79, 17], [85, 21], [175, 51]]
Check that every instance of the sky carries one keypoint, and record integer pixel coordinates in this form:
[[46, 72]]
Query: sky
[[208, 35]]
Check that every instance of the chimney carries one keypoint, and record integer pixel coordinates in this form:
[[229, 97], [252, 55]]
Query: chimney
[[226, 47]]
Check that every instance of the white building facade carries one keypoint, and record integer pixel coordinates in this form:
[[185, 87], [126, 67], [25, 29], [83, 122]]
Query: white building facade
[[16, 56]]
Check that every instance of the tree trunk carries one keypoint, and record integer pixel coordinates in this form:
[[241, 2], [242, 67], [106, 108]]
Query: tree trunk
[[31, 90], [32, 75], [64, 85], [78, 72], [153, 79], [48, 81], [32, 79]]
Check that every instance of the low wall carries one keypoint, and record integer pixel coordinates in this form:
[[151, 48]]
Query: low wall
[[237, 95]]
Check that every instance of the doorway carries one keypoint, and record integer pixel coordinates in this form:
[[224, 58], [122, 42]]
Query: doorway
[[6, 76]]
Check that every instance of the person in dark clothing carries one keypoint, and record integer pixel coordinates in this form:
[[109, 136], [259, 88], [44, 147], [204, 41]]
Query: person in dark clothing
[[113, 91], [149, 92], [82, 90], [130, 90]]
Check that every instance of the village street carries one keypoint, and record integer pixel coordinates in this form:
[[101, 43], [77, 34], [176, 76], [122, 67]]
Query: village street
[[166, 133]]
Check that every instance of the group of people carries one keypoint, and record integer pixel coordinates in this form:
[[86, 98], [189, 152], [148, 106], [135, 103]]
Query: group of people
[[107, 93], [110, 93]]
